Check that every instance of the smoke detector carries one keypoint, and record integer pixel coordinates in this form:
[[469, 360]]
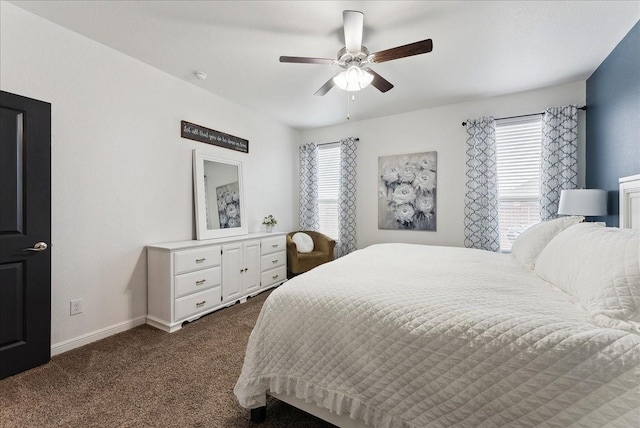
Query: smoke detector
[[200, 75]]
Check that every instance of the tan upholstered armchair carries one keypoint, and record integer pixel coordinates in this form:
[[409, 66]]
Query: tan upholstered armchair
[[298, 263]]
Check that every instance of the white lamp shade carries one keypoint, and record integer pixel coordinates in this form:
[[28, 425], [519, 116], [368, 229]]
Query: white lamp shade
[[587, 202], [353, 79]]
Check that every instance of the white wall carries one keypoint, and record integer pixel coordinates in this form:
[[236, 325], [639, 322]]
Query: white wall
[[122, 178], [121, 174], [436, 129]]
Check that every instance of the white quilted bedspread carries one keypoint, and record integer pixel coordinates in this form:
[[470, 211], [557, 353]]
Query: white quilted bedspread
[[402, 335]]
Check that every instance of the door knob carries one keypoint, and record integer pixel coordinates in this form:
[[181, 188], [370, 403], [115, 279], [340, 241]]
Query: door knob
[[39, 246]]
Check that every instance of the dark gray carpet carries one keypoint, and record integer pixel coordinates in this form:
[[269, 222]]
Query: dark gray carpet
[[145, 377]]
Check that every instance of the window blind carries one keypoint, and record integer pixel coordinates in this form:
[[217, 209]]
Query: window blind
[[328, 188], [518, 151]]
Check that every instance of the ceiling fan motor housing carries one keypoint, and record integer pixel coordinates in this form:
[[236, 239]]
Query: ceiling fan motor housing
[[346, 59]]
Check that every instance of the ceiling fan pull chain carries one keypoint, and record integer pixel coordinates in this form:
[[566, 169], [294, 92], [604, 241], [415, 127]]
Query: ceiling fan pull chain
[[348, 107]]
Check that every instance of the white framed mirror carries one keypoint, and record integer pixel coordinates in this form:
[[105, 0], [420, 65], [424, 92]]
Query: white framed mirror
[[219, 198]]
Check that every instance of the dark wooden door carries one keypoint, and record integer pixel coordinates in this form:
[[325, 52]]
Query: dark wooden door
[[25, 233]]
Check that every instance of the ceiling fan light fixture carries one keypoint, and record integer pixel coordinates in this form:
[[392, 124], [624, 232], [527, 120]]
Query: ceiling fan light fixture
[[353, 79]]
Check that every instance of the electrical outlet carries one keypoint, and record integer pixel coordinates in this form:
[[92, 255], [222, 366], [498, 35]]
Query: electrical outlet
[[76, 307]]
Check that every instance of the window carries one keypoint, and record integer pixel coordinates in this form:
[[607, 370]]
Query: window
[[328, 186], [518, 149]]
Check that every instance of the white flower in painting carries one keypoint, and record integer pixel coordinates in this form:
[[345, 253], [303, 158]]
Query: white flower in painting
[[234, 222], [390, 174], [227, 196], [219, 192], [404, 194], [424, 203], [404, 161], [232, 210], [427, 161], [223, 219], [407, 173], [222, 204], [404, 213], [384, 192], [235, 195], [425, 180]]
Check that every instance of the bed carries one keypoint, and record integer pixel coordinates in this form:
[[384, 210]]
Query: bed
[[410, 335]]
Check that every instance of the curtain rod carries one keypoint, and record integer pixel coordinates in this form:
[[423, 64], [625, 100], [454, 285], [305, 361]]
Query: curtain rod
[[335, 142], [584, 108]]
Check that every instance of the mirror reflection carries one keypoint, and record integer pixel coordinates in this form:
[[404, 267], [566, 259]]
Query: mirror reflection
[[219, 205], [222, 195]]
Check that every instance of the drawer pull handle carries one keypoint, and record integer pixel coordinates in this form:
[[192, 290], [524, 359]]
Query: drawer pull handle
[[202, 281], [274, 261], [199, 304], [200, 260], [275, 276], [275, 245]]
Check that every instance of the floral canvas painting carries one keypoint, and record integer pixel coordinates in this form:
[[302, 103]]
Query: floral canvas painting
[[407, 191], [228, 197]]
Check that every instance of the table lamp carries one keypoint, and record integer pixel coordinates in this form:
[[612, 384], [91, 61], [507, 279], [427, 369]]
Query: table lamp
[[586, 202]]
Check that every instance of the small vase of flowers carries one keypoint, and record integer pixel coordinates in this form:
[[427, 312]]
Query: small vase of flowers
[[269, 221]]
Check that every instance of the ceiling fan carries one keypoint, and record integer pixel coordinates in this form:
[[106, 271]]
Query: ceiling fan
[[354, 58]]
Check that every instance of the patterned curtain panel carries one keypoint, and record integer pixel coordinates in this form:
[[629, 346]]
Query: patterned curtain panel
[[347, 197], [309, 212], [481, 198], [559, 163]]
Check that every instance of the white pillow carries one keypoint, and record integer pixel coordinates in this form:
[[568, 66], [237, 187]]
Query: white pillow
[[600, 267], [304, 243], [528, 246]]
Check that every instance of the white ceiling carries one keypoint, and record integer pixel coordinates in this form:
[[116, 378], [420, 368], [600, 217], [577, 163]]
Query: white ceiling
[[481, 48]]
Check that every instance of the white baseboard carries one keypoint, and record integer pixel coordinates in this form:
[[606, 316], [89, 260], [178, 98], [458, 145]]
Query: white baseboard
[[76, 342]]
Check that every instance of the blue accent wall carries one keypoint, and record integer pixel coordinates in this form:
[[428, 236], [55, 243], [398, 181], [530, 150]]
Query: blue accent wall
[[613, 121]]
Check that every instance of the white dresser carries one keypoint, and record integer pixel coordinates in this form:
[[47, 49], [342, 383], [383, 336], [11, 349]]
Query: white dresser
[[188, 279]]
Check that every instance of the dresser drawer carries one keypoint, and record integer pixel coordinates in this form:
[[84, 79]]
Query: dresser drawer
[[273, 245], [273, 275], [199, 280], [274, 260], [196, 303], [200, 258]]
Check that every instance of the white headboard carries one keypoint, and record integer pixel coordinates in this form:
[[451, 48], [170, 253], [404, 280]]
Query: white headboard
[[630, 202]]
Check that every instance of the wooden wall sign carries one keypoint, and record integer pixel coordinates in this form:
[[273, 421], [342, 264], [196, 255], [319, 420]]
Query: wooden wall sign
[[210, 136]]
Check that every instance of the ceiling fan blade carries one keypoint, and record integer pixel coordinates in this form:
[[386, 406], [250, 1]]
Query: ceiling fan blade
[[379, 82], [411, 49], [353, 23], [326, 87], [306, 60]]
